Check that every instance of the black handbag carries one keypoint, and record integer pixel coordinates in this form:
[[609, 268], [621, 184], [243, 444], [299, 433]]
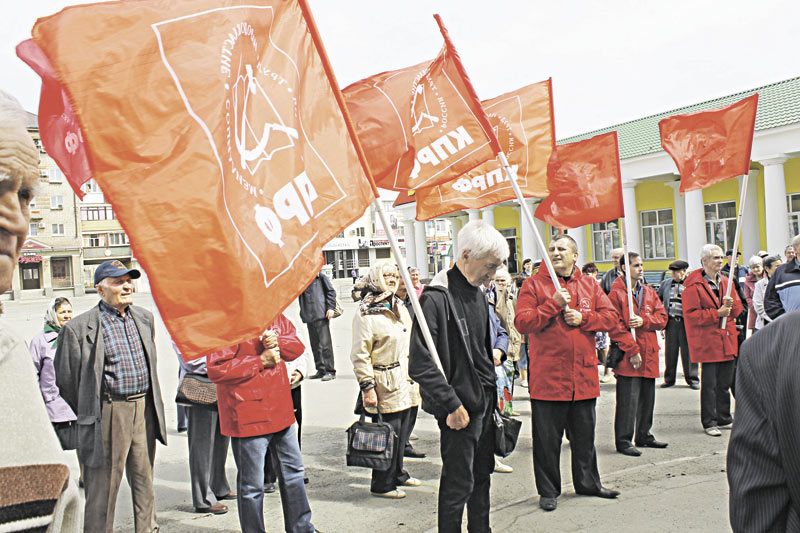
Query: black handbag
[[67, 433], [371, 444], [196, 390], [506, 433], [615, 355]]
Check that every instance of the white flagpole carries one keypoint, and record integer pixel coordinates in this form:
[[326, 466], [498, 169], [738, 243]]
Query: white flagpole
[[624, 239], [735, 256], [401, 262]]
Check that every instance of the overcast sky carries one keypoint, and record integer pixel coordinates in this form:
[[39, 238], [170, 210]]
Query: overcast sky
[[610, 60]]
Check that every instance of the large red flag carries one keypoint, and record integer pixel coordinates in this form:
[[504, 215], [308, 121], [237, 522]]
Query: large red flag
[[711, 146], [58, 128], [421, 125], [585, 183], [523, 122], [215, 132]]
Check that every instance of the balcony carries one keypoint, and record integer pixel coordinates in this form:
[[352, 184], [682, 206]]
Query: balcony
[[110, 252]]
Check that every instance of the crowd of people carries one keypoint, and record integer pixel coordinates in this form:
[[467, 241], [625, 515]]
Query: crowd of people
[[90, 382]]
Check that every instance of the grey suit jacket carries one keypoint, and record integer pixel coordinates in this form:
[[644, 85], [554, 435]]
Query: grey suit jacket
[[79, 363], [763, 453]]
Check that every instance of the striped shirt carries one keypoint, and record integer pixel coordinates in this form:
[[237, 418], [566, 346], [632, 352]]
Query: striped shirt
[[126, 370], [675, 304]]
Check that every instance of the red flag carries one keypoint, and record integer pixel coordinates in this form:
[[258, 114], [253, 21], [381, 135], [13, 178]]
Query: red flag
[[216, 134], [58, 129], [585, 183], [421, 125], [523, 122], [711, 146]]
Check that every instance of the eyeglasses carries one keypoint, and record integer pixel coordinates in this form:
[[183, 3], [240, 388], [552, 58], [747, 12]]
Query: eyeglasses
[[390, 275]]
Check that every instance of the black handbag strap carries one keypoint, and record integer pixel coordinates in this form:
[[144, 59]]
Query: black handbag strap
[[363, 417]]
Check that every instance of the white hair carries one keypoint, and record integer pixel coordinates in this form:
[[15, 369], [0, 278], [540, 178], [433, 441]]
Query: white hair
[[755, 260], [503, 273], [707, 251], [481, 240], [796, 241]]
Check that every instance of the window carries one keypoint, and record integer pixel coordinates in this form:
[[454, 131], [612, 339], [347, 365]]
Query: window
[[103, 212], [117, 239], [90, 186], [32, 205], [359, 232], [33, 229], [605, 237], [793, 205], [721, 224], [57, 202], [55, 176], [94, 240], [61, 269], [58, 230], [658, 239]]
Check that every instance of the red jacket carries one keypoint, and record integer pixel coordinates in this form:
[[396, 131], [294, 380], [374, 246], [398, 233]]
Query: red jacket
[[563, 359], [654, 317], [708, 343], [254, 400]]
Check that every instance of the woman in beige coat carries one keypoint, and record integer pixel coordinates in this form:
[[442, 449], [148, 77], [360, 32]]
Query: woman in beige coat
[[381, 333]]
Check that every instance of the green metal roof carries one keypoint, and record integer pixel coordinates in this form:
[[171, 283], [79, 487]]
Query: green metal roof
[[778, 105]]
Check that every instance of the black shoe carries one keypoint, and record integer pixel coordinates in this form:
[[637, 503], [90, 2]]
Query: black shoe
[[269, 488], [305, 480], [548, 504], [609, 494], [666, 385], [182, 429], [328, 377], [318, 375], [631, 451], [694, 385], [652, 444], [409, 451]]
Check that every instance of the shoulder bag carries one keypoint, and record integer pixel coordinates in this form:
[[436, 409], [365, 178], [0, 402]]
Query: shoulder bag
[[371, 444], [506, 433], [197, 390]]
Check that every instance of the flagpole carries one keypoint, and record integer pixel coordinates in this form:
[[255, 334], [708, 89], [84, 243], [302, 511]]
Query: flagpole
[[624, 239], [326, 64], [735, 256]]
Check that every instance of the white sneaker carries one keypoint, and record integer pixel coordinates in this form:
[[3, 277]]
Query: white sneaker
[[502, 468], [412, 482], [413, 437], [605, 378], [713, 431], [395, 494]]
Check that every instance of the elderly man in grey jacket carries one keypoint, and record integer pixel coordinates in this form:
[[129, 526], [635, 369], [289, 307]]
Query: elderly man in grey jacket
[[106, 370]]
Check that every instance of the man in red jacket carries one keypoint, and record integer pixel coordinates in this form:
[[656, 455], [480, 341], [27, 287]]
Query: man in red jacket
[[255, 410], [637, 372], [704, 306], [564, 385]]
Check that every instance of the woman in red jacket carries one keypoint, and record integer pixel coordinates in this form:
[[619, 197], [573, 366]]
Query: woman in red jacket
[[704, 306], [637, 372], [255, 410]]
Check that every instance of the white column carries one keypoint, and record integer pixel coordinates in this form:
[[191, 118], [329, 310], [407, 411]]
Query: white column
[[455, 227], [679, 219], [474, 214], [579, 234], [750, 239], [527, 239], [695, 227], [777, 215], [488, 215], [631, 216], [421, 246], [410, 243], [542, 227]]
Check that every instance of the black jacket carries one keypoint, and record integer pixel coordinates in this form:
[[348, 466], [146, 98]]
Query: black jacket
[[608, 279], [462, 386], [317, 299], [783, 291]]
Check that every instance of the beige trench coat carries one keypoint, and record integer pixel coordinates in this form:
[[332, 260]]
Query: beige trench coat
[[505, 306]]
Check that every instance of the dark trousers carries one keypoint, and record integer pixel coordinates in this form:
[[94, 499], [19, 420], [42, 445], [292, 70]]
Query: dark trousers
[[271, 465], [393, 477], [412, 422], [467, 463], [715, 398], [208, 451], [319, 334], [549, 420], [636, 399], [675, 340]]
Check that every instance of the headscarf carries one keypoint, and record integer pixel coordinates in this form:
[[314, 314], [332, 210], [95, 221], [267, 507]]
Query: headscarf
[[51, 323], [373, 291]]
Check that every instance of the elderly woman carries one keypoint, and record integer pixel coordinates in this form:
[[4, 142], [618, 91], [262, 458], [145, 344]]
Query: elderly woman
[[771, 264], [756, 273], [381, 334], [43, 348]]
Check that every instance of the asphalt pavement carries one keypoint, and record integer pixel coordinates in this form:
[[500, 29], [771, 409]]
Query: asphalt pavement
[[682, 487]]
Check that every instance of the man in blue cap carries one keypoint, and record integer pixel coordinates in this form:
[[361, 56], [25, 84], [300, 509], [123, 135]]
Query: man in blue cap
[[106, 371]]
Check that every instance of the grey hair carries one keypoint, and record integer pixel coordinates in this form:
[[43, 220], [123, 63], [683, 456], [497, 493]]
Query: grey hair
[[10, 109], [503, 273], [481, 240], [707, 250], [796, 241], [620, 251], [755, 260]]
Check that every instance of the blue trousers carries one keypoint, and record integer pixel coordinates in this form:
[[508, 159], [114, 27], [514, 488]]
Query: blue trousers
[[250, 453]]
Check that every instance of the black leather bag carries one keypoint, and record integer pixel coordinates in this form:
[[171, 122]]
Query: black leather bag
[[371, 444], [506, 433], [615, 355], [197, 390], [67, 433]]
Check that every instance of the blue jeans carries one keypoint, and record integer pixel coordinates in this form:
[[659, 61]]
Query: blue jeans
[[250, 454]]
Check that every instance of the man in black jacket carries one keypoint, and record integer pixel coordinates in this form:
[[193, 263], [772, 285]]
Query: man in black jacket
[[463, 398], [783, 292], [670, 292], [610, 277], [317, 303]]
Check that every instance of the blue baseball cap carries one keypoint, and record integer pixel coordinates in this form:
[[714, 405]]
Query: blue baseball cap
[[114, 269]]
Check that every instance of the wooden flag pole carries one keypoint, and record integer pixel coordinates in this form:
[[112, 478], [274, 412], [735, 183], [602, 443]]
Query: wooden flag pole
[[529, 217], [624, 238], [737, 233]]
